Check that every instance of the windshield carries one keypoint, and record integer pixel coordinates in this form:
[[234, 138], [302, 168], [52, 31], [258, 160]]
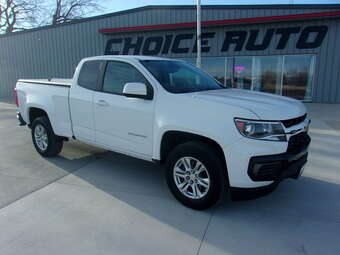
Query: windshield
[[180, 77]]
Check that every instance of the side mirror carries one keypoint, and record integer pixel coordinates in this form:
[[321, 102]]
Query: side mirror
[[136, 90]]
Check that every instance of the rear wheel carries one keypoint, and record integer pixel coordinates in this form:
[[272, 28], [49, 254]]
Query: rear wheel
[[195, 175], [45, 141]]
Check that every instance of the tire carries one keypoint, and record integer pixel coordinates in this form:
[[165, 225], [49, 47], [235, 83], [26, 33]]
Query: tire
[[202, 196], [45, 141]]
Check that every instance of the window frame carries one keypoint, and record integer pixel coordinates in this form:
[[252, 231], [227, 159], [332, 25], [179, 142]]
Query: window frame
[[149, 87], [311, 72], [99, 74]]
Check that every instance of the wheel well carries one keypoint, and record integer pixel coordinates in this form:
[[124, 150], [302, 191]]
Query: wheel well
[[36, 113], [171, 139]]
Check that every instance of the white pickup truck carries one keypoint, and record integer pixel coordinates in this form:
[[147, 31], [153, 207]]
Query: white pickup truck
[[211, 139]]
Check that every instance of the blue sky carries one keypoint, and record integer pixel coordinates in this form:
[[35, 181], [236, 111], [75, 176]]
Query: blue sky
[[118, 5]]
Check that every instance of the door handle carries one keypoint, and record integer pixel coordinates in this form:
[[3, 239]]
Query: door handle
[[102, 103]]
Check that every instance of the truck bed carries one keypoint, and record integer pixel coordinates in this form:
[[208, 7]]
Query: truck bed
[[50, 95]]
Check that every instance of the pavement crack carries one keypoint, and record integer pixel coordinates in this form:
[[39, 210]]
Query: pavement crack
[[205, 231], [303, 249]]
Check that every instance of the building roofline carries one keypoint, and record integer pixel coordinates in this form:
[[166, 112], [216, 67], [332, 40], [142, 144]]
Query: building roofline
[[168, 7], [247, 6], [251, 20]]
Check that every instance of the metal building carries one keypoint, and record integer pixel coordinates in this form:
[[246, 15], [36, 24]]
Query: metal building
[[292, 50]]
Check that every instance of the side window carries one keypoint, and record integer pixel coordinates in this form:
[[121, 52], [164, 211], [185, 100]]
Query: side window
[[88, 75], [117, 74]]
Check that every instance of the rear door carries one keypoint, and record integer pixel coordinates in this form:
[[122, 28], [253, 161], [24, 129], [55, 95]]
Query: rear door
[[122, 123], [81, 100]]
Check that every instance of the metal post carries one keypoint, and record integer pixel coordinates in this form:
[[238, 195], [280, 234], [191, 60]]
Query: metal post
[[198, 60]]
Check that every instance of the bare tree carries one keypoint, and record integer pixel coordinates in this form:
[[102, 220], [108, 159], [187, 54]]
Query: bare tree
[[67, 10], [18, 14]]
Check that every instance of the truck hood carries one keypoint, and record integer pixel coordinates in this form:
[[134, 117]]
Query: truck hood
[[266, 106]]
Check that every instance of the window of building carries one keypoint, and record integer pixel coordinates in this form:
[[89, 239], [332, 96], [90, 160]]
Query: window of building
[[117, 74], [89, 74], [229, 73], [190, 60], [290, 76], [298, 76], [267, 74], [242, 71], [218, 67], [215, 67]]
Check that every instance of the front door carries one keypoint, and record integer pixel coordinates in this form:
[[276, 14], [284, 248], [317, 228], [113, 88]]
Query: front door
[[122, 123], [81, 101]]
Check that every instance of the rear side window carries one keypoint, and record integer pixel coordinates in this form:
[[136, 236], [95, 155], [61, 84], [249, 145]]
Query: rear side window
[[117, 74], [89, 73]]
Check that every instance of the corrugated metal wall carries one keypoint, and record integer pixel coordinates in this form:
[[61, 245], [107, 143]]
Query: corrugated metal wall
[[55, 51]]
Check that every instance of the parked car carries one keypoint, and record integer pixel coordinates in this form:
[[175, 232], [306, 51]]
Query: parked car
[[211, 139]]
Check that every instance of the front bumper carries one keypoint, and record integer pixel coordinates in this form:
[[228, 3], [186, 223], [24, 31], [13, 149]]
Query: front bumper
[[277, 167], [253, 164], [284, 165], [265, 172]]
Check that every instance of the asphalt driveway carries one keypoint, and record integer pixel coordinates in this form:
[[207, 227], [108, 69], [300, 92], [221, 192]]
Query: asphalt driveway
[[90, 201]]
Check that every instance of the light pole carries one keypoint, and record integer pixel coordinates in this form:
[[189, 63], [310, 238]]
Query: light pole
[[198, 60]]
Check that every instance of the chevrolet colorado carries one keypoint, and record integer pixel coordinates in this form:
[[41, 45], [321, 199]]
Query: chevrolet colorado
[[210, 138]]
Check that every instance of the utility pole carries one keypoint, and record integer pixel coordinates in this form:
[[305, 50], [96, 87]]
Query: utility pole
[[198, 60]]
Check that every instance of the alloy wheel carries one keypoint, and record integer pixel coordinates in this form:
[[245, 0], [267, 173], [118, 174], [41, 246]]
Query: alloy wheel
[[191, 177], [41, 138]]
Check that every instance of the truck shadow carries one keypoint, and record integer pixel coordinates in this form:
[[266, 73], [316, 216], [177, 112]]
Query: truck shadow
[[288, 219]]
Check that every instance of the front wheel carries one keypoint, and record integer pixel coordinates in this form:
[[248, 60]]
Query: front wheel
[[45, 141], [196, 175]]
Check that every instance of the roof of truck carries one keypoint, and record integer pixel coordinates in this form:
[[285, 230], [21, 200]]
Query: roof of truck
[[135, 57]]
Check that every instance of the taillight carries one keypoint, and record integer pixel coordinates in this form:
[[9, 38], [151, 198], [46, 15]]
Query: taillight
[[16, 99]]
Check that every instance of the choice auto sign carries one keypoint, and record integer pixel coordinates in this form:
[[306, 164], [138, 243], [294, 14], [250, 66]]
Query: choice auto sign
[[309, 37]]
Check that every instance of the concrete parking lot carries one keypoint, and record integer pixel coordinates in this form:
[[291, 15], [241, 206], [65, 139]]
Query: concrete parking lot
[[90, 201]]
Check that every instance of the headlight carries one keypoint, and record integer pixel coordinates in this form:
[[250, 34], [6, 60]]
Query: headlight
[[262, 130]]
